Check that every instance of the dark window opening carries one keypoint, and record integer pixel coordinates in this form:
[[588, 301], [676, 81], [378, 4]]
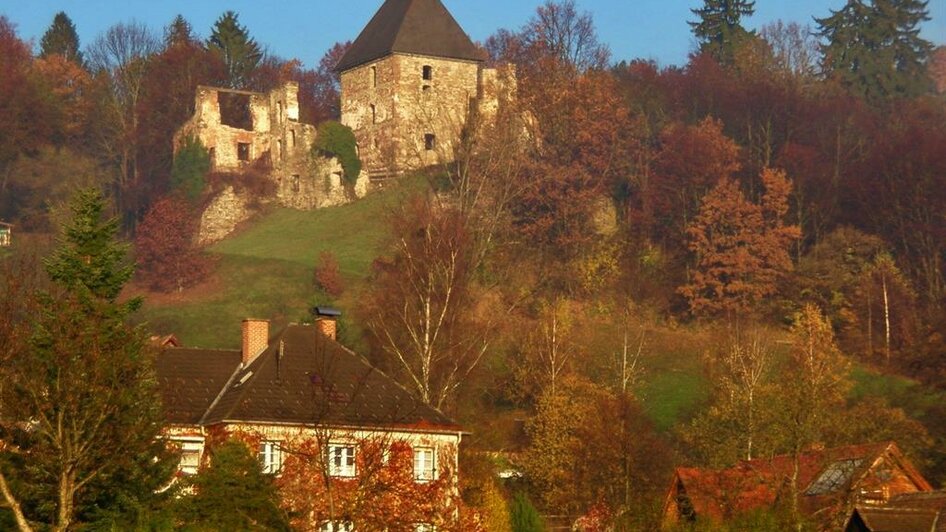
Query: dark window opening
[[292, 138], [430, 141], [374, 76], [374, 114], [426, 89], [295, 183], [428, 72], [235, 110], [281, 153], [279, 115], [243, 151]]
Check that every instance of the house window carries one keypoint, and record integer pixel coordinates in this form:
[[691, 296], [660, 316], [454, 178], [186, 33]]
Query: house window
[[296, 186], [428, 72], [374, 114], [270, 457], [337, 526], [190, 457], [430, 141], [243, 151], [424, 466], [374, 76], [341, 460]]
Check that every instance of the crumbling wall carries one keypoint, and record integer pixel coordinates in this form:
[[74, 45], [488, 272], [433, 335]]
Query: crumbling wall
[[222, 215], [271, 130]]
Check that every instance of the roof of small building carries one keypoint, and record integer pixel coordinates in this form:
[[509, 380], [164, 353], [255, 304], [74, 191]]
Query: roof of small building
[[302, 378], [420, 27], [882, 519], [720, 493]]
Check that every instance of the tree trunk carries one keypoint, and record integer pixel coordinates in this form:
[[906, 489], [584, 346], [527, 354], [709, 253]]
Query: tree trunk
[[22, 524], [66, 501], [883, 279]]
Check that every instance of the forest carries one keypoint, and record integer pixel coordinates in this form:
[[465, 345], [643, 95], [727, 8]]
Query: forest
[[638, 268]]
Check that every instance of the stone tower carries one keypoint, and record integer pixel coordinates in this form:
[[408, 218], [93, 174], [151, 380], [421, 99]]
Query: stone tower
[[408, 85]]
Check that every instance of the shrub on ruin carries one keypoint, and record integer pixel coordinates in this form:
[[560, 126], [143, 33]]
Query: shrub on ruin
[[327, 275], [189, 171], [337, 140]]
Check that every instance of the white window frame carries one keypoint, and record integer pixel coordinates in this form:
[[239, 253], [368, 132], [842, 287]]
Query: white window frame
[[425, 527], [190, 448], [337, 526], [270, 457], [425, 464], [342, 460]]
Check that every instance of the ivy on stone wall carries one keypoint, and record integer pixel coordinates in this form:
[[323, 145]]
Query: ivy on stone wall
[[336, 140]]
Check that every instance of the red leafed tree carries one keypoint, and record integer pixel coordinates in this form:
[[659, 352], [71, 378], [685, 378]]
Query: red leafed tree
[[327, 275], [167, 256], [690, 161], [741, 248], [383, 495]]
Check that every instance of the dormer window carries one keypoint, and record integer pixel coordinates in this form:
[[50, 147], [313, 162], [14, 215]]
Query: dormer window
[[428, 72]]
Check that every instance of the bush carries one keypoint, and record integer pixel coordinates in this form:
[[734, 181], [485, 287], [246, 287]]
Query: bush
[[524, 516], [336, 140], [327, 275], [189, 171]]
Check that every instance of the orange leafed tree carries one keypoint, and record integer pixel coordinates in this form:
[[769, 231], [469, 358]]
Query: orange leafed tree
[[741, 247]]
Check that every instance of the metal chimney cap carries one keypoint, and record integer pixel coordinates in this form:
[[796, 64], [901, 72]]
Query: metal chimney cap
[[327, 311]]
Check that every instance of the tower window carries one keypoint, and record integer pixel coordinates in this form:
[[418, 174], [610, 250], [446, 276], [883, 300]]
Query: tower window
[[374, 76], [428, 72], [243, 151], [430, 141], [374, 114]]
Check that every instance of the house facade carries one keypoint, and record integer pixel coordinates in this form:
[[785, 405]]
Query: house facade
[[830, 483], [322, 420], [411, 82]]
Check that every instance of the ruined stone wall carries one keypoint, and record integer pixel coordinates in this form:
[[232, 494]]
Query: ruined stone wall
[[302, 180]]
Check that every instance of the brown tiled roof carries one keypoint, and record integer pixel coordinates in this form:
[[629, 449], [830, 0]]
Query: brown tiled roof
[[904, 513], [421, 27], [190, 380], [302, 378], [718, 494]]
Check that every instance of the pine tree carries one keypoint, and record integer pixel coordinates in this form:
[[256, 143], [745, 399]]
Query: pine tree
[[61, 38], [232, 493], [81, 397], [719, 31], [875, 49], [190, 167], [240, 53], [178, 32]]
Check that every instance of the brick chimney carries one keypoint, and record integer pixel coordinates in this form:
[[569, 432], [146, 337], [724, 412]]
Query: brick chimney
[[255, 338], [325, 320]]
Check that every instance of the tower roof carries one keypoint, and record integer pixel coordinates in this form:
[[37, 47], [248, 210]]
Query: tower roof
[[421, 27]]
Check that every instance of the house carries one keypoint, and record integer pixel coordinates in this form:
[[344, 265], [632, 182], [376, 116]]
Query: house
[[909, 512], [6, 235], [829, 483], [301, 398], [410, 83]]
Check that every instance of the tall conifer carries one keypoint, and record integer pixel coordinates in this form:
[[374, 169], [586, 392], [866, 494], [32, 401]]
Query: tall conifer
[[719, 30], [61, 38], [240, 53]]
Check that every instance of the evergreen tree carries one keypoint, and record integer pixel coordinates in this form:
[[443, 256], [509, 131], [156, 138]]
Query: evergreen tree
[[524, 516], [179, 31], [240, 53], [232, 493], [875, 49], [190, 167], [719, 31], [82, 395], [61, 38]]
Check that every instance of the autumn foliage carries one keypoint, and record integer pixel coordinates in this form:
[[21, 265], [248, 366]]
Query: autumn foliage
[[168, 259]]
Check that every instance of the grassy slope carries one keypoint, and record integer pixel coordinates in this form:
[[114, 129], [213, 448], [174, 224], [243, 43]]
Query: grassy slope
[[265, 271]]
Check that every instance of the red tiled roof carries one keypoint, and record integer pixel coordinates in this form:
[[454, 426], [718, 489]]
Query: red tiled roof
[[718, 494]]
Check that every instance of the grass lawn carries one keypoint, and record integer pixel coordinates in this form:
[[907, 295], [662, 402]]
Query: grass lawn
[[265, 271]]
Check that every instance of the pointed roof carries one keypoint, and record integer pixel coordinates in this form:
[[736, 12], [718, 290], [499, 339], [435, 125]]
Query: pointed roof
[[420, 27], [302, 378]]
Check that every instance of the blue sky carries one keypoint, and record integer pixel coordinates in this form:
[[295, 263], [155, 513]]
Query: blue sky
[[304, 29]]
